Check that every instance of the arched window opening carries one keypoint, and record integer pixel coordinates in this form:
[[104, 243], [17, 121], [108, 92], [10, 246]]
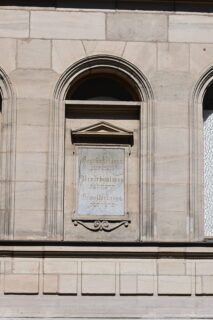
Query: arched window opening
[[102, 113], [102, 96], [101, 138], [102, 87], [208, 161]]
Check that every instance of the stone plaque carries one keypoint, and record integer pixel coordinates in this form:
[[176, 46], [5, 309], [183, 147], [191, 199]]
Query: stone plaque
[[100, 178]]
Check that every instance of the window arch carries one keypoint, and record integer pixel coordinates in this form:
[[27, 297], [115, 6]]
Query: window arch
[[198, 116], [7, 155], [132, 98], [208, 161]]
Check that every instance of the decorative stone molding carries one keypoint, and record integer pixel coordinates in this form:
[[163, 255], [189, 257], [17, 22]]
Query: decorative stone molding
[[101, 225], [123, 68], [7, 156]]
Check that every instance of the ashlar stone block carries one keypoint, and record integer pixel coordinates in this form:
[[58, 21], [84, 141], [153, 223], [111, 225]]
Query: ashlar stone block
[[32, 139], [136, 27], [65, 53], [171, 114], [171, 197], [207, 285], [174, 285], [138, 268], [200, 57], [104, 47], [31, 267], [67, 284], [171, 226], [29, 225], [60, 267], [98, 284], [30, 195], [173, 57], [128, 284], [204, 268], [14, 23], [34, 83], [190, 28], [98, 268], [67, 25], [171, 267], [33, 112], [171, 141], [34, 53], [50, 283], [139, 52], [145, 285], [176, 168], [23, 284], [31, 166], [8, 54]]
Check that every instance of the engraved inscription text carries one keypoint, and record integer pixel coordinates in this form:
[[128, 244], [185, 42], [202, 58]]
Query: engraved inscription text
[[101, 181]]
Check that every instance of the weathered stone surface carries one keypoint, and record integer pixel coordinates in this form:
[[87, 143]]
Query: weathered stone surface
[[138, 268], [171, 197], [50, 283], [201, 57], [190, 28], [171, 226], [176, 168], [67, 25], [171, 86], [174, 285], [26, 267], [30, 195], [171, 141], [34, 54], [136, 27], [21, 284], [31, 166], [173, 57], [32, 139], [63, 267], [34, 83], [14, 23], [98, 267], [8, 54], [29, 224], [128, 284], [207, 285], [33, 112], [204, 268], [143, 55], [104, 47], [65, 53], [67, 284], [98, 284], [145, 285], [171, 267], [171, 114]]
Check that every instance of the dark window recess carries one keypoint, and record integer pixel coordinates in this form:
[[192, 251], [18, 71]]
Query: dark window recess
[[208, 98], [101, 88]]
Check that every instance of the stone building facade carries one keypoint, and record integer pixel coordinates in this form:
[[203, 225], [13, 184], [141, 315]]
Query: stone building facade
[[106, 159]]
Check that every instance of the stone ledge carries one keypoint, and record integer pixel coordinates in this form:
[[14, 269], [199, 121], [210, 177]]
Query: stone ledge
[[88, 250]]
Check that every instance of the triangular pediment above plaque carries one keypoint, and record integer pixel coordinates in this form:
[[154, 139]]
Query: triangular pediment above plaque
[[102, 131]]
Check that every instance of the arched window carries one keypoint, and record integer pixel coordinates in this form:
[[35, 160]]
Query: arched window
[[7, 156], [208, 161], [101, 148]]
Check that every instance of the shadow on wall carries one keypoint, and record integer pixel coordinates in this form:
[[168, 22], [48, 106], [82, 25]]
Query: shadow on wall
[[163, 5]]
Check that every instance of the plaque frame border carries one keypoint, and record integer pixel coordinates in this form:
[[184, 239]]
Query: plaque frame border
[[101, 222]]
